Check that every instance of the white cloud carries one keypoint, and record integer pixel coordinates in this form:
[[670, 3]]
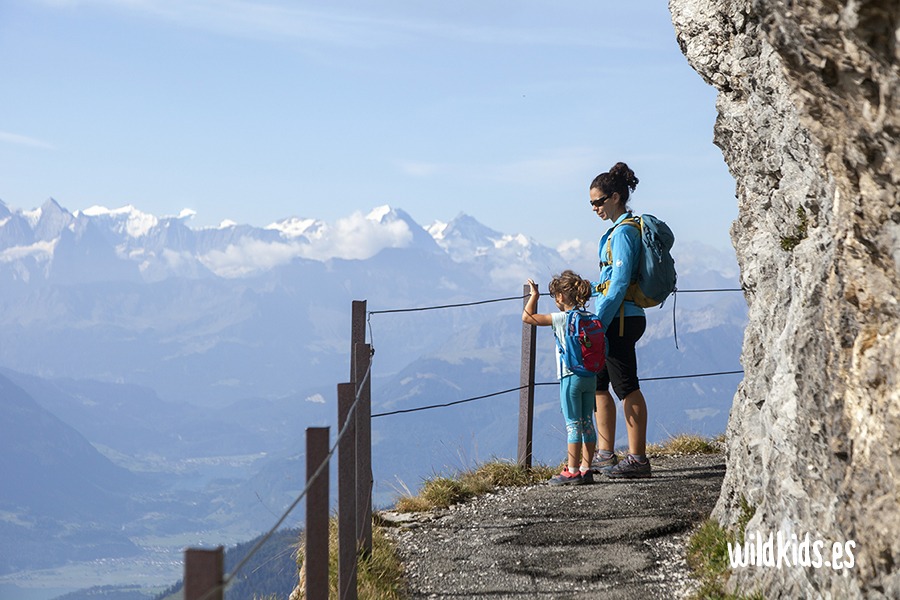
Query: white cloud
[[261, 20], [354, 237], [283, 20], [437, 229], [24, 140], [419, 169], [580, 256], [574, 249], [249, 256], [40, 251]]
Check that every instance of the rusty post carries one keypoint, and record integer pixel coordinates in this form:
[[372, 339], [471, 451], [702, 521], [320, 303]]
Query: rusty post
[[362, 362], [316, 554], [526, 394], [347, 529], [357, 332], [203, 573]]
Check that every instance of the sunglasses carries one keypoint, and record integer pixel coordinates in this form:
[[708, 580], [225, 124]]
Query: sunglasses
[[599, 201]]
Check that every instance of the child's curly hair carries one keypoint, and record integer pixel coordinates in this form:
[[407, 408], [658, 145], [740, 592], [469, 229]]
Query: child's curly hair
[[575, 290]]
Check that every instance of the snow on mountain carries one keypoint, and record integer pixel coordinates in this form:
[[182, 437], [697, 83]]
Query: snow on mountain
[[253, 323], [464, 238], [296, 227], [162, 247], [126, 220], [52, 221], [510, 259]]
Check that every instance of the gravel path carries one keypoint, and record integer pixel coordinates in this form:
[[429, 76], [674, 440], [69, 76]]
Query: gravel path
[[613, 539]]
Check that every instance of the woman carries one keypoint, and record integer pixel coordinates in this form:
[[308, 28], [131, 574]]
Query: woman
[[624, 322]]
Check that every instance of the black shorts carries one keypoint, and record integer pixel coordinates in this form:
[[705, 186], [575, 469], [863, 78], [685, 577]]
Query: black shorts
[[621, 359]]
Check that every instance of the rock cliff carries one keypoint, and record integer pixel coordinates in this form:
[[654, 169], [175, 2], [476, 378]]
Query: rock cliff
[[808, 92]]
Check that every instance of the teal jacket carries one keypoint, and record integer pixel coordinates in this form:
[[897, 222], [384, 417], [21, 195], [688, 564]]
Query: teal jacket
[[620, 272]]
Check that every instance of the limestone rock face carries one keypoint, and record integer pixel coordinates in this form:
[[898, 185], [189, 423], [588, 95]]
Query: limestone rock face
[[808, 123]]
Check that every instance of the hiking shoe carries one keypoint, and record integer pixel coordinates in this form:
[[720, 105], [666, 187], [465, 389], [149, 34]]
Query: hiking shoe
[[630, 468], [587, 477], [566, 478], [600, 465]]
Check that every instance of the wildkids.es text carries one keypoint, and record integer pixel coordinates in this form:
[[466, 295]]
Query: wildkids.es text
[[781, 551]]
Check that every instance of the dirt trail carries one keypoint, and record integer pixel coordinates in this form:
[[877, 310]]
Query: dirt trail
[[613, 539]]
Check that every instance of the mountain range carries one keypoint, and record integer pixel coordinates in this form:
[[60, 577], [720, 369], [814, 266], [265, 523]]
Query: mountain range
[[156, 380]]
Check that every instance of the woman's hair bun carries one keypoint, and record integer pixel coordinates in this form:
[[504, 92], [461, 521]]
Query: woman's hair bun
[[623, 176]]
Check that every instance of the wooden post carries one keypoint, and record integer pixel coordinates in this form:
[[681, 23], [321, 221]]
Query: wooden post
[[526, 394], [316, 554], [357, 331], [362, 358], [347, 529], [203, 573]]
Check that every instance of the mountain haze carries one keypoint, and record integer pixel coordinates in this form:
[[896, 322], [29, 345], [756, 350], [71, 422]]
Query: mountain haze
[[193, 359]]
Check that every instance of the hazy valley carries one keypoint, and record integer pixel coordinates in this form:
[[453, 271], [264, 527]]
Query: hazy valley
[[157, 380]]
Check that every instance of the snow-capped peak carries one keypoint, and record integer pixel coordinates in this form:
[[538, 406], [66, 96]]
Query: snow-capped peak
[[136, 223], [519, 239], [97, 210], [32, 216], [295, 227], [379, 213]]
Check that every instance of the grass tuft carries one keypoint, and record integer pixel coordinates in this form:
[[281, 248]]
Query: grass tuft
[[442, 492], [688, 444], [707, 556], [378, 576]]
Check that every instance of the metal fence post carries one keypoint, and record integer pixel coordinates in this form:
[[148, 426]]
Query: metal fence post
[[526, 394], [362, 361], [347, 529], [203, 573], [316, 555]]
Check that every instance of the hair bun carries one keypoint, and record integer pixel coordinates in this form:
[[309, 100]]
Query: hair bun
[[624, 176]]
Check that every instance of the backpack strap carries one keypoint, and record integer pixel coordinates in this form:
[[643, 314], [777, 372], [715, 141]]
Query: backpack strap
[[633, 222], [603, 288], [569, 325]]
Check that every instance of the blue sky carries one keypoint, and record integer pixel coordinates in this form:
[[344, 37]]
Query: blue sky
[[256, 111]]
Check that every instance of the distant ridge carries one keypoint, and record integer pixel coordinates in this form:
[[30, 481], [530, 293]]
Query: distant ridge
[[53, 476]]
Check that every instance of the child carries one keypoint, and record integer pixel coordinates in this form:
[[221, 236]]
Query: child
[[576, 394]]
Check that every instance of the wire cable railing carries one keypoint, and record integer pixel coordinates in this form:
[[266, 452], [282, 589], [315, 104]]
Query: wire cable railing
[[521, 297], [543, 383], [521, 387], [460, 305], [228, 579]]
